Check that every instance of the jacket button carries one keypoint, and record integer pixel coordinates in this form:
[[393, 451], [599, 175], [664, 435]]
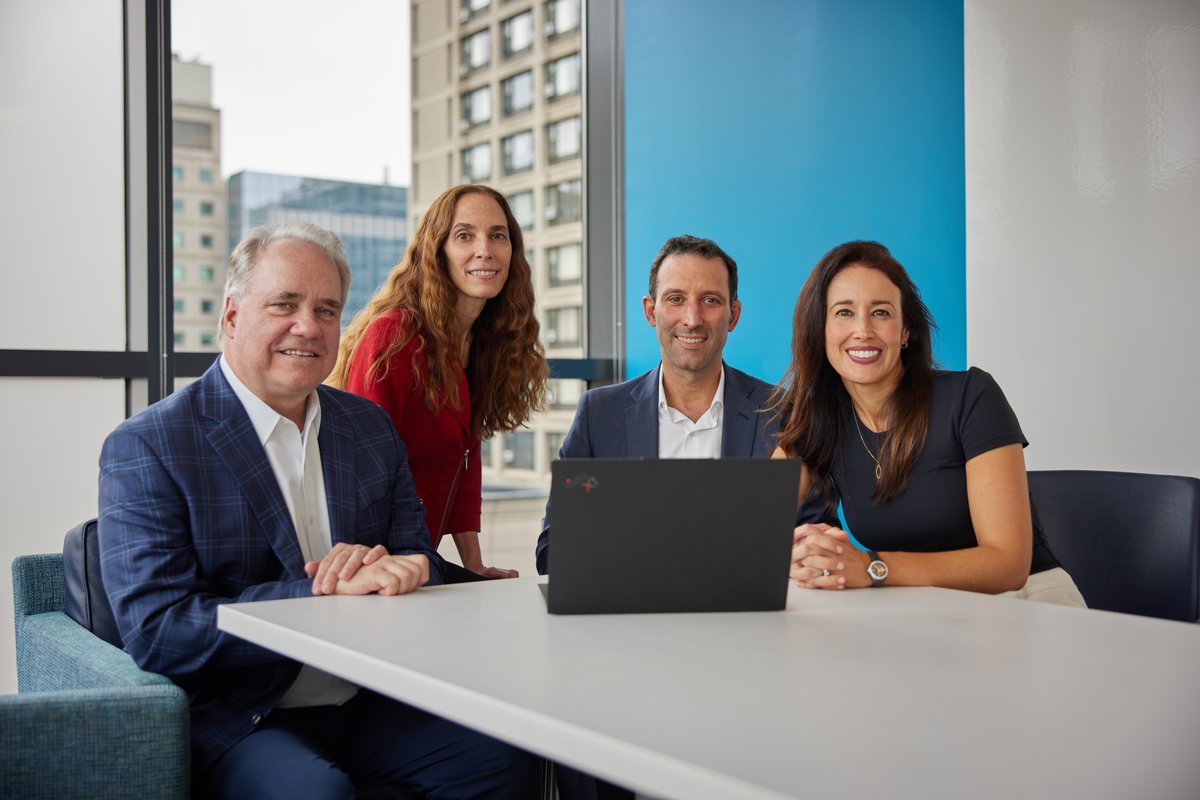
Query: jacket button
[[257, 718]]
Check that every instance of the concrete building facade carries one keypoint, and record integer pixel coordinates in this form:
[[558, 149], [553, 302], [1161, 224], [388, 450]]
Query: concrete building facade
[[496, 99]]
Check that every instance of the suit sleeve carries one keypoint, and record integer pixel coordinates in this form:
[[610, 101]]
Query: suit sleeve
[[163, 606], [576, 444]]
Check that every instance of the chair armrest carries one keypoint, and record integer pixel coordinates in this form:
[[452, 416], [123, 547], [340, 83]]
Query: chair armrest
[[128, 741], [38, 584], [56, 653]]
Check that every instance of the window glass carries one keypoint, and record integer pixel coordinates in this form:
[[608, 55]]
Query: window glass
[[476, 51], [521, 204], [562, 327], [564, 139], [476, 107], [554, 441], [564, 393], [278, 148], [518, 450], [176, 173], [562, 202], [517, 34], [562, 76], [188, 133], [208, 339], [178, 305], [565, 263], [562, 16], [177, 206], [485, 452], [518, 152], [477, 163], [177, 239], [178, 272], [469, 8], [518, 92]]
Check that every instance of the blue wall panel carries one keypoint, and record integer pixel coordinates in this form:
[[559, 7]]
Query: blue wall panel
[[780, 128]]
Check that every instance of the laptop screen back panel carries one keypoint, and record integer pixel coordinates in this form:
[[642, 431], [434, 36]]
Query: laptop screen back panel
[[677, 535]]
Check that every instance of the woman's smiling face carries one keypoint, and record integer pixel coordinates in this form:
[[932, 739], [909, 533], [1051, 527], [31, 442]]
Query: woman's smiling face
[[864, 328]]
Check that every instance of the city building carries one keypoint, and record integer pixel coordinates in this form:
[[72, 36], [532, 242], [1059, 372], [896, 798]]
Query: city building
[[198, 207], [368, 218], [496, 100]]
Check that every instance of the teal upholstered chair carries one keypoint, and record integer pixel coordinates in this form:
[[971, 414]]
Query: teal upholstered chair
[[87, 722]]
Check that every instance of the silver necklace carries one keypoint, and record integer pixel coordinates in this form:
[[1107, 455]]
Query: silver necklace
[[857, 427]]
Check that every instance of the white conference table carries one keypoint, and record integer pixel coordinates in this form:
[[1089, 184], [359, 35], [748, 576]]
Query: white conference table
[[864, 694]]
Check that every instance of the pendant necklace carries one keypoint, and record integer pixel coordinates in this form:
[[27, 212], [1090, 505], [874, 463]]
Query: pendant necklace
[[857, 427]]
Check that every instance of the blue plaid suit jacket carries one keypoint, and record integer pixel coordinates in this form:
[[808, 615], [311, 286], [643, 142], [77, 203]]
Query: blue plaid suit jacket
[[191, 516], [621, 421]]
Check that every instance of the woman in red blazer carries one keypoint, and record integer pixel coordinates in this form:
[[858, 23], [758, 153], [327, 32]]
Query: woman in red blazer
[[449, 347]]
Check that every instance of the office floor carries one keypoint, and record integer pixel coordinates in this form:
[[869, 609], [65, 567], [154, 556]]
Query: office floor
[[510, 530]]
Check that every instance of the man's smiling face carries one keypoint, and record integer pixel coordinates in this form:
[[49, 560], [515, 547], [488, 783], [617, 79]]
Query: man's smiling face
[[281, 335], [692, 312]]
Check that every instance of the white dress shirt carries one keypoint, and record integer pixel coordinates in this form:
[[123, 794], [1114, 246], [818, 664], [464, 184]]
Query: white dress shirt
[[295, 458], [679, 437]]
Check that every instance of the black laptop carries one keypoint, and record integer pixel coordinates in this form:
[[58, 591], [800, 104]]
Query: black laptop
[[670, 535]]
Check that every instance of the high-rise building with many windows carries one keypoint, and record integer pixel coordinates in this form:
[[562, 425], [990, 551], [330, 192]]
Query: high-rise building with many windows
[[198, 207], [369, 218], [496, 100]]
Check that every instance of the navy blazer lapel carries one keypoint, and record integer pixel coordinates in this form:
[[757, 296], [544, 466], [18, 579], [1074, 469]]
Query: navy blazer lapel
[[641, 417], [741, 417], [338, 467], [233, 438]]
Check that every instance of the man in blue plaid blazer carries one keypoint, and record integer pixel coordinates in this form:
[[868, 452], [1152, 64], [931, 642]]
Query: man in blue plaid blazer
[[255, 483]]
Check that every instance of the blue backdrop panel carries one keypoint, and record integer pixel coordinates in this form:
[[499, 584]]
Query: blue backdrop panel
[[780, 128]]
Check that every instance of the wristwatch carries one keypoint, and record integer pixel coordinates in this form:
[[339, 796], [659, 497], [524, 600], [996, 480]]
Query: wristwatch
[[876, 570]]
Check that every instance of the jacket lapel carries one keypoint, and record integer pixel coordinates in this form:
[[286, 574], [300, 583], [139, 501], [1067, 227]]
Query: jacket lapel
[[641, 418], [338, 467], [233, 438], [741, 417]]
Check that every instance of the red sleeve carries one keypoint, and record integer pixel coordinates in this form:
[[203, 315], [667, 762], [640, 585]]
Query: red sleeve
[[392, 392]]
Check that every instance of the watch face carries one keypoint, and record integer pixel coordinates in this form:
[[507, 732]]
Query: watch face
[[878, 570]]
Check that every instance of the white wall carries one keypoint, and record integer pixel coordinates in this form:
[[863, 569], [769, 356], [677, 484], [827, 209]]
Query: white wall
[[1083, 225], [62, 221]]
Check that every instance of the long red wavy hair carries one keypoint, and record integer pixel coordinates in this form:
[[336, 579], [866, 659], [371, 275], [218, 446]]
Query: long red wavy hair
[[506, 371]]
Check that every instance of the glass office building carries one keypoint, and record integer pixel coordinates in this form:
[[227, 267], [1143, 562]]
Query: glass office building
[[369, 218]]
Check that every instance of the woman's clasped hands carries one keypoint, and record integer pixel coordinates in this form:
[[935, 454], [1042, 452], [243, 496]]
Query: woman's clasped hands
[[823, 558]]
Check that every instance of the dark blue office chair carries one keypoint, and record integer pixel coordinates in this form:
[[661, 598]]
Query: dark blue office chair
[[1130, 541]]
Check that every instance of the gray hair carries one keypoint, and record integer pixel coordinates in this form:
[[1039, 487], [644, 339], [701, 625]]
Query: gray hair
[[245, 256]]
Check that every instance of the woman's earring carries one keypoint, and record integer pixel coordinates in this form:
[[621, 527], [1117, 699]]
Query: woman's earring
[[904, 345]]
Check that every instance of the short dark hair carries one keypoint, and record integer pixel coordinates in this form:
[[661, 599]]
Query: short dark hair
[[693, 245]]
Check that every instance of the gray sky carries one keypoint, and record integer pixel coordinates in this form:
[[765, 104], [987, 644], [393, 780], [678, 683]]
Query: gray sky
[[305, 87]]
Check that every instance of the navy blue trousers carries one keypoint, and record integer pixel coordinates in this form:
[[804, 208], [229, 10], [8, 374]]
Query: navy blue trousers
[[370, 746]]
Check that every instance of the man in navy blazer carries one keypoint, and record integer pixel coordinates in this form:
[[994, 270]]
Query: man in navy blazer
[[692, 405], [256, 483]]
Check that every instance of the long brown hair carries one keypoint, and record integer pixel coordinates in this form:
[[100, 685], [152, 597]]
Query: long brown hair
[[812, 402], [506, 372]]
